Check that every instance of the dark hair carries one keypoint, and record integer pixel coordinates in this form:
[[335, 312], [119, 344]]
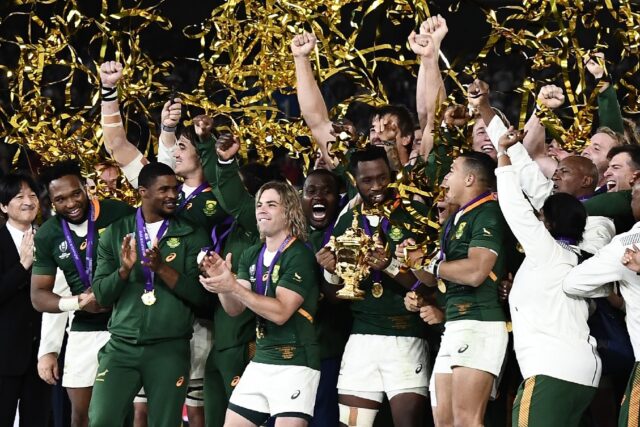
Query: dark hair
[[565, 215], [255, 175], [367, 154], [151, 171], [632, 150], [60, 169], [188, 132], [11, 183], [400, 112], [327, 173], [482, 166]]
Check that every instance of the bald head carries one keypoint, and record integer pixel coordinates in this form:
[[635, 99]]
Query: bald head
[[575, 175]]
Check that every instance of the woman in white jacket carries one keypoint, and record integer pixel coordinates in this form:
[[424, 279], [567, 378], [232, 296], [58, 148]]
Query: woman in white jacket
[[557, 356]]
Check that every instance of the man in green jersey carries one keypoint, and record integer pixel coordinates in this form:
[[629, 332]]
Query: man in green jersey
[[277, 280], [386, 353], [471, 264], [197, 203], [147, 270], [68, 241]]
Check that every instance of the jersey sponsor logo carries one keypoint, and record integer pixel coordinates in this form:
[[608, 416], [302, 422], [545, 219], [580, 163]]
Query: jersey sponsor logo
[[235, 381], [460, 230], [180, 382], [295, 395], [463, 348], [463, 308], [64, 250], [276, 274], [173, 242], [209, 207], [170, 257], [297, 278], [83, 245], [486, 232], [419, 368], [100, 375], [395, 234], [188, 206]]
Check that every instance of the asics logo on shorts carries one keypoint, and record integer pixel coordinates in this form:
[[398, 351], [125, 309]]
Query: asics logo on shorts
[[295, 395], [419, 368], [463, 348]]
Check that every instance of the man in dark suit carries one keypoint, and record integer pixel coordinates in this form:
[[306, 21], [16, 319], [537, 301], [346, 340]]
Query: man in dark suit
[[19, 322]]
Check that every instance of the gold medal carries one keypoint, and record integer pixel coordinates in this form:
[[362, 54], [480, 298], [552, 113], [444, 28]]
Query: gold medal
[[441, 286], [149, 297], [377, 290]]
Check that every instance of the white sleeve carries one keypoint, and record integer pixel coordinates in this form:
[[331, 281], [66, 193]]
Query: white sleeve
[[537, 242], [588, 279], [54, 324], [165, 154], [132, 170], [495, 129], [597, 233], [535, 185]]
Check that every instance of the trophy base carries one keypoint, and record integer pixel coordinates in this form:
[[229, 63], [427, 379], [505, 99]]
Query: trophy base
[[351, 294]]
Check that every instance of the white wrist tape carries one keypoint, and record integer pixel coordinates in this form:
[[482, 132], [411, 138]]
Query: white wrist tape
[[393, 268], [69, 303], [332, 278]]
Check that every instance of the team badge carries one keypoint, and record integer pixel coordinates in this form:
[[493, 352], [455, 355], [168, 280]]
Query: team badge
[[180, 382], [173, 242], [275, 275], [460, 230], [209, 207], [170, 257], [64, 250], [395, 234]]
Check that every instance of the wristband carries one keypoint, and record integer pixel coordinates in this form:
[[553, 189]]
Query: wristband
[[69, 303], [332, 278], [393, 268], [109, 93], [433, 266], [502, 153], [170, 129]]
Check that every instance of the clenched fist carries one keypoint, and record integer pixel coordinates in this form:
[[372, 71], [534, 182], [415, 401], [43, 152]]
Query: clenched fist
[[303, 44], [110, 73]]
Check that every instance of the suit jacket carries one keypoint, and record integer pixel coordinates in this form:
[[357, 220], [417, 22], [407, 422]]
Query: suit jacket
[[19, 321]]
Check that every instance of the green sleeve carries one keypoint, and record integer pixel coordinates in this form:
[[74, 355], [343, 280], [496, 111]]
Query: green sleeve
[[301, 272], [208, 159], [615, 205], [488, 230], [44, 263], [609, 113], [439, 161], [243, 266], [188, 286], [234, 198], [107, 285]]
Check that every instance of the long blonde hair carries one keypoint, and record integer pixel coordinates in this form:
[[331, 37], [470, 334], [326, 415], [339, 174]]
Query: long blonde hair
[[290, 199]]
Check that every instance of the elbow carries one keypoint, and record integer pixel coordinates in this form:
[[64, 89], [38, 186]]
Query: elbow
[[477, 278], [36, 302]]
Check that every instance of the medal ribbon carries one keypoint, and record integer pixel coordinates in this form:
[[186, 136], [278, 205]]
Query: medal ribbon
[[195, 193], [567, 240], [384, 225], [84, 271], [261, 286], [474, 203], [228, 222], [142, 236]]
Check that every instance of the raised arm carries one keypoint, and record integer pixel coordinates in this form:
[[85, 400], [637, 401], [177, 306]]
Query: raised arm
[[609, 113], [430, 91], [312, 105]]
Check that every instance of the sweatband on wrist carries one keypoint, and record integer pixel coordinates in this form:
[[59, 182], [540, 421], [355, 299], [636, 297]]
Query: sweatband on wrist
[[69, 304], [332, 278], [170, 129], [393, 268], [109, 93]]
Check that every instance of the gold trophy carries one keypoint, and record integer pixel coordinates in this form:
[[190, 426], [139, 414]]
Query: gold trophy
[[350, 250]]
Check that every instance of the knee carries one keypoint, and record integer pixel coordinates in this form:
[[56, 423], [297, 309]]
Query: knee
[[357, 417], [79, 419], [465, 420]]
